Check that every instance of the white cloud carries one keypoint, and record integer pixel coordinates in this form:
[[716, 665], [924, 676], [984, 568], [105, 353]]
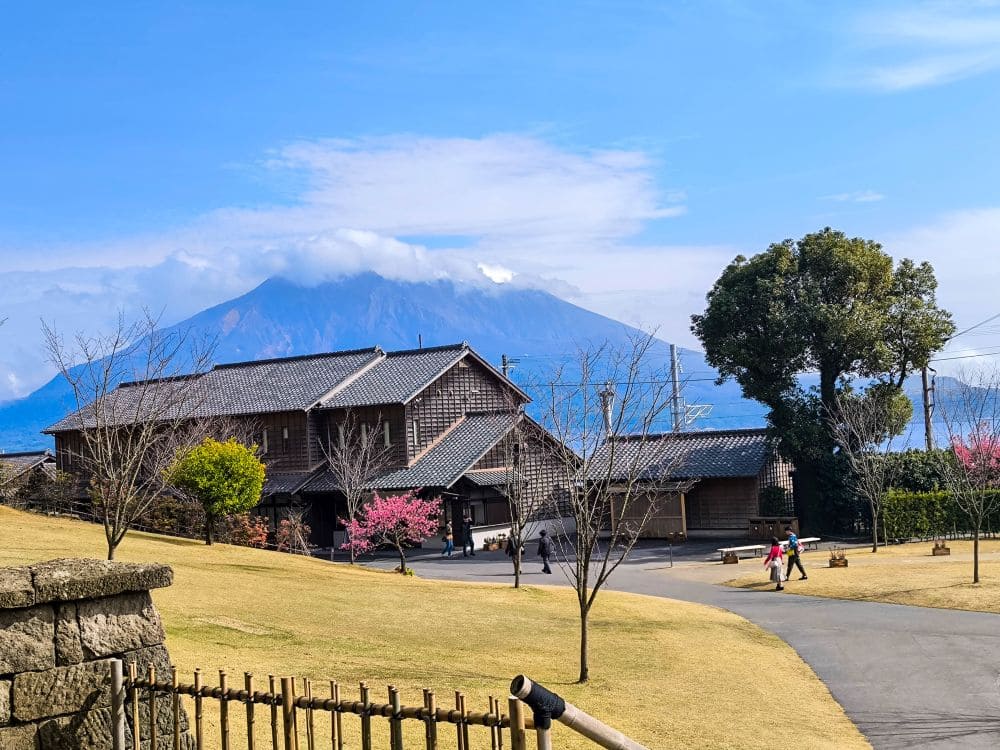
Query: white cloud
[[858, 196], [503, 208], [917, 45]]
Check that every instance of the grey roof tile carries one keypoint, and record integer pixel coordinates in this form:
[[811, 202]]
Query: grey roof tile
[[285, 483], [493, 477], [445, 462], [398, 377], [706, 454], [13, 465]]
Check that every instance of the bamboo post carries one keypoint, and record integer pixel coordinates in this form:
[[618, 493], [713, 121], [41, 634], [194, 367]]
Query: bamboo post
[[493, 710], [288, 713], [134, 694], [310, 726], [199, 729], [117, 705], [395, 721], [432, 728], [518, 738], [176, 704], [336, 729], [366, 719], [500, 718], [248, 686], [151, 678], [543, 736], [295, 717], [460, 737], [272, 689], [224, 709]]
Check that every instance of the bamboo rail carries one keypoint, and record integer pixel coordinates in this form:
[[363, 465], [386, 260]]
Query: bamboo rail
[[163, 697]]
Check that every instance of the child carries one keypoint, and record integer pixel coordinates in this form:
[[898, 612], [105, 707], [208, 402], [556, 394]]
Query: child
[[449, 540], [773, 561]]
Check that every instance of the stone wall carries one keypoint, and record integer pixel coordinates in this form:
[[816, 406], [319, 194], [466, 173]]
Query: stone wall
[[61, 624]]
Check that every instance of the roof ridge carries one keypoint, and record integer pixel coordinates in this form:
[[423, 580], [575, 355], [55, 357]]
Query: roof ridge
[[298, 357], [164, 379], [694, 434], [22, 454], [421, 350], [438, 440]]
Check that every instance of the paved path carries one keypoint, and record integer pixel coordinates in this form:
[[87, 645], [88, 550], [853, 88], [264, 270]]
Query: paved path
[[909, 677]]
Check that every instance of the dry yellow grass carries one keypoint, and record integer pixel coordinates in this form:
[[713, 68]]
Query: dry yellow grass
[[903, 574], [670, 674]]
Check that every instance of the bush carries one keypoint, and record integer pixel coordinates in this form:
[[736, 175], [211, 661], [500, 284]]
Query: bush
[[774, 502], [244, 530], [906, 515]]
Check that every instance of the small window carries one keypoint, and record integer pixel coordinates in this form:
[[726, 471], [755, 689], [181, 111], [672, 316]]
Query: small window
[[364, 432], [284, 439], [263, 443], [416, 432], [340, 435], [386, 435]]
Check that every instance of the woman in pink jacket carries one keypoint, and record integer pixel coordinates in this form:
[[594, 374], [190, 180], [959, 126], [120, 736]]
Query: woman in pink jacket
[[774, 562]]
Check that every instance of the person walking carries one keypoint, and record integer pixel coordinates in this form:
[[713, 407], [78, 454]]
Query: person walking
[[467, 535], [773, 561], [545, 550], [449, 540], [795, 549]]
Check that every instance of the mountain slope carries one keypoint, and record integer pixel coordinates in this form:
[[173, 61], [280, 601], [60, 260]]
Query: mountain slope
[[280, 318]]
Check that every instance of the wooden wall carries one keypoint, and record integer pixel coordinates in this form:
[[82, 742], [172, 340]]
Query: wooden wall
[[466, 387], [722, 503], [668, 518]]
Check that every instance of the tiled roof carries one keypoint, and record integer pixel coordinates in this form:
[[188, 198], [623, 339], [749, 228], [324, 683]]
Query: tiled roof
[[12, 465], [363, 377], [493, 477], [445, 462], [707, 454], [397, 377], [280, 484]]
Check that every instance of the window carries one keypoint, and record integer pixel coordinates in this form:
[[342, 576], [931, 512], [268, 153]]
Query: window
[[284, 440], [364, 432], [340, 435], [416, 432], [386, 435], [263, 443]]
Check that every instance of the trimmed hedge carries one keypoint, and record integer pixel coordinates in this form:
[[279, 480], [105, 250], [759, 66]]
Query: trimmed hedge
[[926, 514]]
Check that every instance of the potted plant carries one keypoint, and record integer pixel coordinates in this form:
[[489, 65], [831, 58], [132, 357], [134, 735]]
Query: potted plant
[[940, 548], [838, 558]]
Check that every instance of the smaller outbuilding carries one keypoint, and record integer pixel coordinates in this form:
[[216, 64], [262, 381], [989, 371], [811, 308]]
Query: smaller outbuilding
[[708, 483], [17, 468]]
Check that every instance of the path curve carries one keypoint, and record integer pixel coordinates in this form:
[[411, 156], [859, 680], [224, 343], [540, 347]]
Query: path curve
[[908, 677]]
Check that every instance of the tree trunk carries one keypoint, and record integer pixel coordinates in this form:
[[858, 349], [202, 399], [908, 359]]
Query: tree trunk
[[402, 561], [209, 524], [517, 565], [975, 556], [584, 661], [874, 528], [111, 550]]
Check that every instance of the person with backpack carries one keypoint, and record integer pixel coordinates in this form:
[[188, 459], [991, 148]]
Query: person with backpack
[[545, 550], [795, 549], [773, 562], [449, 540]]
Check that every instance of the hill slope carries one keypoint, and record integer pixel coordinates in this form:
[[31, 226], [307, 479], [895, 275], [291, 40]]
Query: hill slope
[[252, 610], [281, 318]]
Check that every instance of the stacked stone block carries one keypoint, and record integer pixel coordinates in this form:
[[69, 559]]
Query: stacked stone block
[[61, 624]]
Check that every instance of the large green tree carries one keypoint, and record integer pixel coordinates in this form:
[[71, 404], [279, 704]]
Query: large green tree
[[826, 305], [225, 477]]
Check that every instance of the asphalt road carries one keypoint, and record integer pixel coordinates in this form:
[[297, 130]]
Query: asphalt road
[[909, 677]]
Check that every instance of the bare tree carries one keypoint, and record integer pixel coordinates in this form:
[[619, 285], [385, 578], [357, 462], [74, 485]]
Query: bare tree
[[865, 427], [136, 392], [517, 486], [601, 409], [355, 454], [970, 410]]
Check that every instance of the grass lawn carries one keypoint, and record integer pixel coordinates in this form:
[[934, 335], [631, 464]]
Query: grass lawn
[[902, 574], [668, 673]]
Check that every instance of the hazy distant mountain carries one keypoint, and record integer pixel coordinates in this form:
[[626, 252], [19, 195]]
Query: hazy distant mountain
[[281, 318]]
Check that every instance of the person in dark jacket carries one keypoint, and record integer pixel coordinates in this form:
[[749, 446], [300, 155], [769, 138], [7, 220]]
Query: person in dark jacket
[[467, 536], [545, 550]]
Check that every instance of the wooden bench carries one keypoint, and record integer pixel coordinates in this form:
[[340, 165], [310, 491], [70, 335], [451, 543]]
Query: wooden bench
[[757, 549], [810, 542]]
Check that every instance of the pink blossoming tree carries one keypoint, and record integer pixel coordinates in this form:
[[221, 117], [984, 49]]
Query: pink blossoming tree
[[971, 414], [396, 520]]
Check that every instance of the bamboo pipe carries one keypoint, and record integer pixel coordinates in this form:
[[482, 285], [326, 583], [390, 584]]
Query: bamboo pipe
[[546, 706]]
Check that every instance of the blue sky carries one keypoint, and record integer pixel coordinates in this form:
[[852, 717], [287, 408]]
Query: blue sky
[[618, 153]]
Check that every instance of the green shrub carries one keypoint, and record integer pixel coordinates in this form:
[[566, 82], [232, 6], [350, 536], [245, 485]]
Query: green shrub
[[908, 514]]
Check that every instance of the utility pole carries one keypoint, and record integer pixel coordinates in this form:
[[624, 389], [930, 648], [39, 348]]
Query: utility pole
[[675, 394], [504, 367], [928, 389]]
